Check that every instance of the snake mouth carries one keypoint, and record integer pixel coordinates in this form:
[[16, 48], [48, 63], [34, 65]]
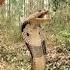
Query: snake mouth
[[44, 16]]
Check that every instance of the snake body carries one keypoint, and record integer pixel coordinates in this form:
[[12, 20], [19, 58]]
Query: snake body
[[35, 42]]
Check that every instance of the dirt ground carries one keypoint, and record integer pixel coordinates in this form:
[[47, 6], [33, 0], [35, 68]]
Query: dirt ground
[[18, 58]]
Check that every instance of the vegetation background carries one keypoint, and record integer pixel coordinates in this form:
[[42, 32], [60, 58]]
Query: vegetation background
[[13, 53]]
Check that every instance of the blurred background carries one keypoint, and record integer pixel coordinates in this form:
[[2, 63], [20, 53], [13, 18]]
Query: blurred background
[[13, 53]]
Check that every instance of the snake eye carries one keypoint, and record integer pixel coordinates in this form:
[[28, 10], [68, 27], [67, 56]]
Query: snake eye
[[39, 33], [27, 34]]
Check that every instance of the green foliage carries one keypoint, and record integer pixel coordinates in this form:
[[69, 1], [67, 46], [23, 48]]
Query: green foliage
[[60, 24], [58, 3]]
